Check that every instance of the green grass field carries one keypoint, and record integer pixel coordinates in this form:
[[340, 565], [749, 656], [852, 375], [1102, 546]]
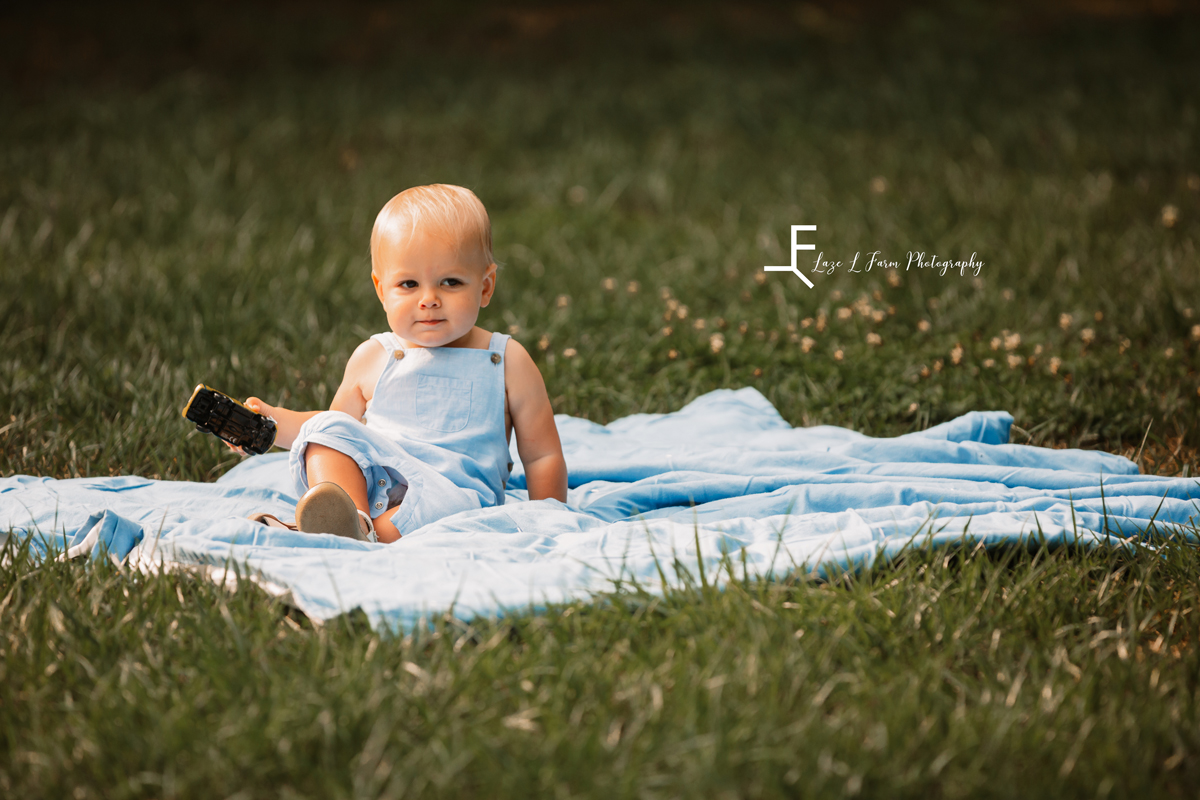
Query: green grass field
[[175, 219]]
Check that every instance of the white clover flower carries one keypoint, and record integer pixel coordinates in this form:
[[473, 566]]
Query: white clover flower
[[570, 352], [924, 326], [1012, 341], [716, 342], [1014, 360], [1088, 335], [1065, 321], [807, 343], [1055, 363], [874, 339]]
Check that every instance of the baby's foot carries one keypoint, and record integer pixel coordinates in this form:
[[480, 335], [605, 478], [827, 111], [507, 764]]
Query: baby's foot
[[326, 508]]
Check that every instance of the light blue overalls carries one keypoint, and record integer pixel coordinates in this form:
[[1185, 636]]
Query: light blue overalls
[[433, 439]]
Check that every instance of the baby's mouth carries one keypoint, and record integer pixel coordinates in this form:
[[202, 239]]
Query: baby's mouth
[[430, 321]]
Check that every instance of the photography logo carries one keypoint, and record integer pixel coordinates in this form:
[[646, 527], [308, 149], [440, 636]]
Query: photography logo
[[796, 248]]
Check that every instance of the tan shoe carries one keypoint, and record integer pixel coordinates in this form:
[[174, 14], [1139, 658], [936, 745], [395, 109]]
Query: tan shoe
[[326, 508], [272, 521]]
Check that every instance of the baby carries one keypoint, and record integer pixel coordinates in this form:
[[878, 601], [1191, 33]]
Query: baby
[[420, 426]]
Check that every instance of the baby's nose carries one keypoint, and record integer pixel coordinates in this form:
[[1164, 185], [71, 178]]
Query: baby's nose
[[430, 300]]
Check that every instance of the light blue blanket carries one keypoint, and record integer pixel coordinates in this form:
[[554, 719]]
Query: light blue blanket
[[723, 480]]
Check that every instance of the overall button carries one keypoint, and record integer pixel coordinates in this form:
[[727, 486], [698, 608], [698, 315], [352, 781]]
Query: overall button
[[382, 482], [495, 358], [379, 505], [399, 354]]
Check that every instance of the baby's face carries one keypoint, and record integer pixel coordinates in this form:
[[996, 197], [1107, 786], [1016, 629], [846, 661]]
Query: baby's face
[[431, 290]]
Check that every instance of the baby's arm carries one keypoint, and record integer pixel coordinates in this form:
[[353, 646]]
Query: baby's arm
[[533, 421], [367, 358], [287, 422]]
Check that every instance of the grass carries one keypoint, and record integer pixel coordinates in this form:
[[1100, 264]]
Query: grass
[[211, 224], [953, 673]]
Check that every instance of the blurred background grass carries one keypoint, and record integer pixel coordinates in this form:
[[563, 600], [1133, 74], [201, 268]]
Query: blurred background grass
[[187, 196]]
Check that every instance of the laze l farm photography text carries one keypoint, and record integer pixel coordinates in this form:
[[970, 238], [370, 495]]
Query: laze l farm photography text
[[862, 262]]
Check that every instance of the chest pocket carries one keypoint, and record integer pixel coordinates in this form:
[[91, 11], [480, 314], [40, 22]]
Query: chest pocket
[[443, 404]]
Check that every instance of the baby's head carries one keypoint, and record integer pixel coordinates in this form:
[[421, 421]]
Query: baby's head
[[431, 262]]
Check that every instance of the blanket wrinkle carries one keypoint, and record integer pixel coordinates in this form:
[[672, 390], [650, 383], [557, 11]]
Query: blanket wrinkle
[[722, 480]]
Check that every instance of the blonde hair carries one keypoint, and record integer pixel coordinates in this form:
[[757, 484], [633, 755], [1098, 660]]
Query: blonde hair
[[441, 209]]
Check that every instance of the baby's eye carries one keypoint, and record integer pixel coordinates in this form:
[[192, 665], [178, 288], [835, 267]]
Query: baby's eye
[[452, 282], [408, 284]]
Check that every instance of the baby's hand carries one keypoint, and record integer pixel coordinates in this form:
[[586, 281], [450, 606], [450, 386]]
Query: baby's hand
[[259, 407], [256, 405]]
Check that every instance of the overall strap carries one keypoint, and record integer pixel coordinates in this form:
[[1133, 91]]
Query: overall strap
[[390, 341], [498, 342]]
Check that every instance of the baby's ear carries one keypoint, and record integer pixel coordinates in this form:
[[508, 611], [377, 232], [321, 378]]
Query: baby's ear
[[489, 285]]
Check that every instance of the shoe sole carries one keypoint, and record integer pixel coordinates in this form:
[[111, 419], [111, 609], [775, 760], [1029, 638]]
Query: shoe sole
[[326, 508]]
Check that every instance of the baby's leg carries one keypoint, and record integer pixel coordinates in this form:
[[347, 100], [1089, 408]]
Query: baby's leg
[[326, 464]]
